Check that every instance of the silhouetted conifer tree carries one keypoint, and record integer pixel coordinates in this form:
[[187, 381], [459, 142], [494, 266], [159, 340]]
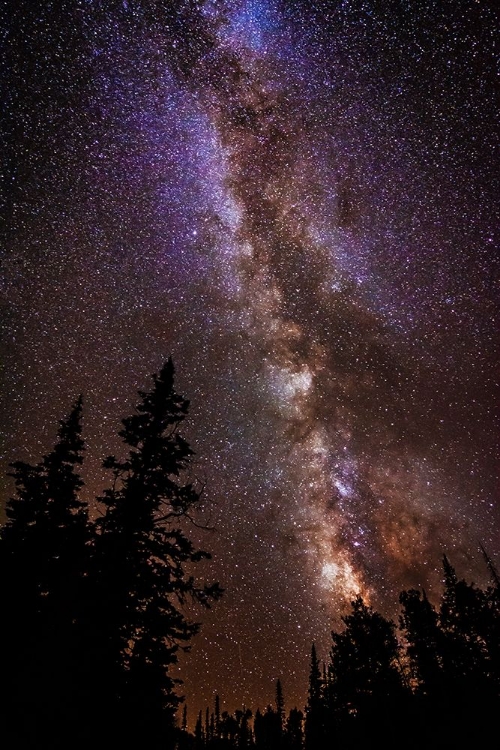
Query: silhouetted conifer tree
[[212, 730], [207, 725], [294, 732], [455, 691], [244, 738], [43, 559], [465, 657], [429, 710], [368, 689], [140, 567], [198, 733], [459, 617], [315, 709], [419, 622], [217, 716]]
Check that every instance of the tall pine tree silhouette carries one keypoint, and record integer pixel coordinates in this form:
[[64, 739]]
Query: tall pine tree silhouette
[[315, 709], [143, 565], [43, 558], [419, 622], [367, 685]]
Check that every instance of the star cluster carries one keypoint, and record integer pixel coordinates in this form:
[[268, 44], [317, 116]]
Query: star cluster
[[297, 201]]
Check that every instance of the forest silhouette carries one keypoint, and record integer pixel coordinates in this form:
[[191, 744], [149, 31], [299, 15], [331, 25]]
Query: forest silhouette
[[94, 617]]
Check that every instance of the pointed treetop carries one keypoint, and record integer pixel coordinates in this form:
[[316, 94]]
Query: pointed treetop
[[491, 567], [450, 576], [314, 677]]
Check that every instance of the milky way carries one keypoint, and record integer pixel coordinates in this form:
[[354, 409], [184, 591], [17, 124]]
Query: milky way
[[297, 201]]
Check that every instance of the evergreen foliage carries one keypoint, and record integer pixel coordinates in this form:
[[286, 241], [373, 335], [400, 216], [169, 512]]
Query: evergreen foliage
[[142, 558], [366, 689], [44, 556], [315, 729], [433, 682], [96, 610], [94, 616]]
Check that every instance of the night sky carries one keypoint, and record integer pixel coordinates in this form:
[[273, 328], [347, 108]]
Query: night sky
[[297, 201]]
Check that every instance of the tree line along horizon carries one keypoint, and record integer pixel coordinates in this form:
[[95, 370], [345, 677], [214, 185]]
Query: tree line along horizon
[[95, 612]]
